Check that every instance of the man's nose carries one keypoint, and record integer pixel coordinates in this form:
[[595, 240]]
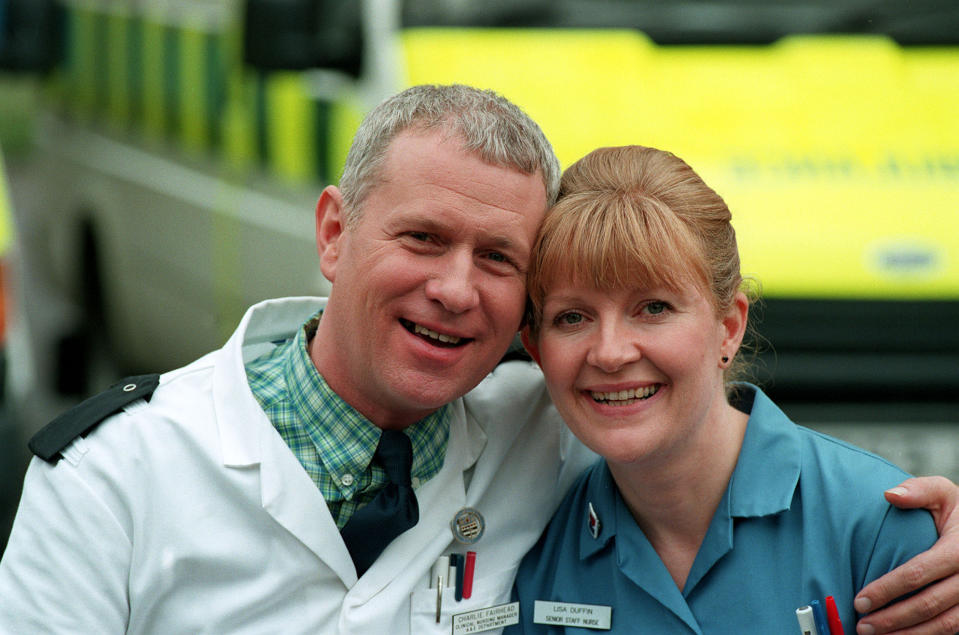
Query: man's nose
[[454, 283]]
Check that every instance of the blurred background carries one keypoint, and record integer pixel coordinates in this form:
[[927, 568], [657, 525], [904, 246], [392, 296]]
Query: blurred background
[[162, 159]]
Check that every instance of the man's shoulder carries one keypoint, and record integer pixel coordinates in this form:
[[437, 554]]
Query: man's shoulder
[[83, 418], [514, 389], [126, 411]]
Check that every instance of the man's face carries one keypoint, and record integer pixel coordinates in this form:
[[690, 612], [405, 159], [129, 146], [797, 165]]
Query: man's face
[[429, 286]]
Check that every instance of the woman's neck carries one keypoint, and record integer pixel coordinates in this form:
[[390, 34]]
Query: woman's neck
[[674, 496]]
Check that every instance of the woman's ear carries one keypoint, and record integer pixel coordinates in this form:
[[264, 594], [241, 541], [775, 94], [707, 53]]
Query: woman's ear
[[330, 228], [734, 325], [529, 343]]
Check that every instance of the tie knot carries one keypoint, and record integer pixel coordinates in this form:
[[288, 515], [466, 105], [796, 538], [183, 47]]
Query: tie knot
[[394, 453]]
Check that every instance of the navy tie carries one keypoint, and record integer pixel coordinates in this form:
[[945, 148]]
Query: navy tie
[[391, 512]]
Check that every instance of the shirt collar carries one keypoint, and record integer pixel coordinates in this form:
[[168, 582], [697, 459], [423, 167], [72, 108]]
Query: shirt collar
[[767, 471], [344, 438], [770, 456]]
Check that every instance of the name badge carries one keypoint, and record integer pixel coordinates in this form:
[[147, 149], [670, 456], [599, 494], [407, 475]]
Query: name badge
[[580, 615], [486, 619]]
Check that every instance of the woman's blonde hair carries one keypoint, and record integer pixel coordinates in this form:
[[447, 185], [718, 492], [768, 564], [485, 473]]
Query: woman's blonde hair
[[630, 216]]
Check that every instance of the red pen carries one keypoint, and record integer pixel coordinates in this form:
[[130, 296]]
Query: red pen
[[468, 574], [832, 616]]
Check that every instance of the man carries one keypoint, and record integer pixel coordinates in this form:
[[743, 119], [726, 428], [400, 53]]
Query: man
[[227, 499]]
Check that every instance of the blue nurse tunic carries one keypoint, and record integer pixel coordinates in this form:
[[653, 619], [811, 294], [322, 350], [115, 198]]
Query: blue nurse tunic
[[803, 517]]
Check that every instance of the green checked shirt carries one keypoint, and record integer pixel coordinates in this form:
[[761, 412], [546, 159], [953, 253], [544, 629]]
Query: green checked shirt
[[332, 441]]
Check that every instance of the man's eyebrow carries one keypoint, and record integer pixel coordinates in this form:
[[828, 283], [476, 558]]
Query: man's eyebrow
[[506, 243], [422, 219], [428, 222]]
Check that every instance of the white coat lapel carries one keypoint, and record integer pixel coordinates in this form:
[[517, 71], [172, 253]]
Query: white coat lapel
[[290, 496], [248, 439]]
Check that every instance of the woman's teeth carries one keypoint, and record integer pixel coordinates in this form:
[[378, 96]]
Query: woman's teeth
[[625, 397]]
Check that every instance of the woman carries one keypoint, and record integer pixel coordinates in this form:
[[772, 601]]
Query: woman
[[711, 512]]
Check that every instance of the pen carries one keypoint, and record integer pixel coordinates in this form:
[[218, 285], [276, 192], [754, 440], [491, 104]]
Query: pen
[[468, 574], [438, 578], [456, 560], [820, 615], [807, 623], [832, 616]]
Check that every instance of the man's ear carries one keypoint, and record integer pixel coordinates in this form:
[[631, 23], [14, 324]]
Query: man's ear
[[330, 228], [529, 343]]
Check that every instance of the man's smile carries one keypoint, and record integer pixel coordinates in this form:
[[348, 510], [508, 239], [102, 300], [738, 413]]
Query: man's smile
[[434, 337]]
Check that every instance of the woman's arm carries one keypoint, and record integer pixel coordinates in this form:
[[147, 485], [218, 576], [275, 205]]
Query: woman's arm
[[934, 610]]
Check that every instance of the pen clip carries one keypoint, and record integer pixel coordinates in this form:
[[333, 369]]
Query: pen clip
[[438, 576]]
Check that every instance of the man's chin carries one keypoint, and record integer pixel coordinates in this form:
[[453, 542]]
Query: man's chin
[[431, 392]]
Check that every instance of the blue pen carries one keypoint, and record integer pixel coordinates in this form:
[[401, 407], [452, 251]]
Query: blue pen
[[819, 613], [458, 561]]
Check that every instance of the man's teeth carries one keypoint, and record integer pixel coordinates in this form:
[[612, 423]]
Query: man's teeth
[[624, 397], [447, 339]]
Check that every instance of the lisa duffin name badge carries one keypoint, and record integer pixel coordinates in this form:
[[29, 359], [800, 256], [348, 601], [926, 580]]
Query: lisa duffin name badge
[[592, 616]]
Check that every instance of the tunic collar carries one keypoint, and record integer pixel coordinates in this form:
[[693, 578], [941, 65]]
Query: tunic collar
[[762, 483]]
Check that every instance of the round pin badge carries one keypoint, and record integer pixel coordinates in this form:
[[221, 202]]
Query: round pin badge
[[468, 525]]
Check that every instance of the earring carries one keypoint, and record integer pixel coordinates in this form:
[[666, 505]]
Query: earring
[[725, 359]]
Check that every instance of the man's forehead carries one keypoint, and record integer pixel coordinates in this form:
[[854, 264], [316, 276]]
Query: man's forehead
[[450, 138]]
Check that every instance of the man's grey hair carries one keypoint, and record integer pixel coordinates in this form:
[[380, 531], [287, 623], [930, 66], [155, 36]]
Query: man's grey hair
[[486, 123]]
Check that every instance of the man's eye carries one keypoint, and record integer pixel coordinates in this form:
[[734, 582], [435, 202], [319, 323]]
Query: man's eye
[[655, 308], [496, 256], [420, 236]]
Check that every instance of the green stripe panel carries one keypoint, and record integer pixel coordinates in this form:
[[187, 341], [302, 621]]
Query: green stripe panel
[[321, 142], [134, 65], [162, 98], [238, 128], [154, 118], [193, 88], [345, 116], [290, 127], [81, 93], [172, 81], [100, 64], [203, 75], [259, 110], [216, 59], [118, 70]]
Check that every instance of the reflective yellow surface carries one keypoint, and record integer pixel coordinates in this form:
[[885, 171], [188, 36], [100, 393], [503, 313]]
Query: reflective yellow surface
[[838, 156]]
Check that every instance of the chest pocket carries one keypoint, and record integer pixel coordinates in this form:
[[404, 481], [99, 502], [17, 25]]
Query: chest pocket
[[488, 591]]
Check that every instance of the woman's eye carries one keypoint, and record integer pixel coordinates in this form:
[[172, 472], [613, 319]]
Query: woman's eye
[[655, 308], [495, 256], [569, 319]]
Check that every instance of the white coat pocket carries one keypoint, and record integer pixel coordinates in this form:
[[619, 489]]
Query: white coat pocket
[[489, 591]]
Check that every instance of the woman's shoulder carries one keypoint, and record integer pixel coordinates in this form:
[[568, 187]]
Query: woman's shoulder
[[845, 466]]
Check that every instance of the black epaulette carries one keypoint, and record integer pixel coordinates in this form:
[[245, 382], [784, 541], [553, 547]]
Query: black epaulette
[[84, 417]]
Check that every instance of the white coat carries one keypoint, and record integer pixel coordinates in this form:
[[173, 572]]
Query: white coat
[[189, 514]]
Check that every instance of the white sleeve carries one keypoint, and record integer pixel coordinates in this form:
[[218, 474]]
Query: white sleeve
[[66, 565]]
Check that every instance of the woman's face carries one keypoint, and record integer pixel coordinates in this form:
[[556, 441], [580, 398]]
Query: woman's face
[[634, 372]]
